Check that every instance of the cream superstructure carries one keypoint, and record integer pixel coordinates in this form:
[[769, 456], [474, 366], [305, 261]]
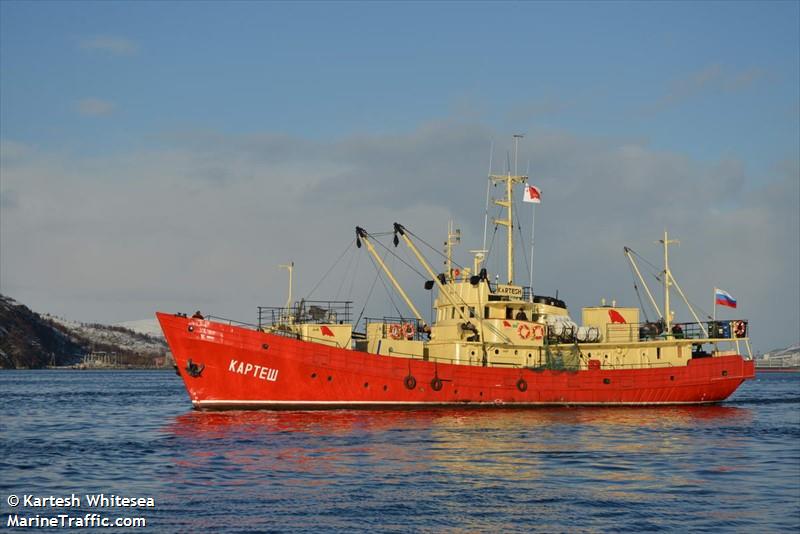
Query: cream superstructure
[[477, 322]]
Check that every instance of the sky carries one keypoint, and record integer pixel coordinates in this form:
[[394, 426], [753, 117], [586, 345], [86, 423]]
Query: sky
[[169, 156]]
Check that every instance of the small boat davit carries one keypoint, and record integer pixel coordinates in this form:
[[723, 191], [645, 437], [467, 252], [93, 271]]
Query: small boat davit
[[490, 344]]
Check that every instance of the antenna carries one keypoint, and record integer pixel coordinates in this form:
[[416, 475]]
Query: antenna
[[488, 183], [289, 267], [517, 137]]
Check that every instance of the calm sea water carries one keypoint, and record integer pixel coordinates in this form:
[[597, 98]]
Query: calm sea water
[[732, 467]]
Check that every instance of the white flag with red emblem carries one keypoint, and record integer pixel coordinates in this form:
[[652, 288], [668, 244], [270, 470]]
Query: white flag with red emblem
[[532, 194]]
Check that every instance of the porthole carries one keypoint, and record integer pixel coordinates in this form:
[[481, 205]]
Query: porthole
[[606, 381], [330, 378], [313, 375], [366, 384]]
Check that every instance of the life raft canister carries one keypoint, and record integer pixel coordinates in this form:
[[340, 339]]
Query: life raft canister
[[395, 331], [524, 331]]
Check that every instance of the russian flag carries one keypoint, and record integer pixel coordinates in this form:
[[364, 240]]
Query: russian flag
[[723, 298]]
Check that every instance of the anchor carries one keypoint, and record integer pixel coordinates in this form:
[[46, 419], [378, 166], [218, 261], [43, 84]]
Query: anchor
[[194, 369]]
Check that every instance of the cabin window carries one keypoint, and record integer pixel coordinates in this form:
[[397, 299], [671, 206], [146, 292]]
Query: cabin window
[[509, 313], [486, 312], [452, 313], [471, 311]]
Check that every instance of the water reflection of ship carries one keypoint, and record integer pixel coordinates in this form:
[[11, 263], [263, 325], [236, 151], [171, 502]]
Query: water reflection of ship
[[341, 422], [498, 443]]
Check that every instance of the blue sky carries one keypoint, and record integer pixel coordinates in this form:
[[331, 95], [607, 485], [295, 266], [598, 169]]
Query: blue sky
[[705, 72], [107, 100]]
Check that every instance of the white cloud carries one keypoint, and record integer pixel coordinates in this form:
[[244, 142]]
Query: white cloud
[[95, 107], [204, 222], [710, 79], [110, 44]]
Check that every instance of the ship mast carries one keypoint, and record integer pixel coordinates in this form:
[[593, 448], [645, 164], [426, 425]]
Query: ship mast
[[453, 238], [510, 180], [289, 267], [667, 282]]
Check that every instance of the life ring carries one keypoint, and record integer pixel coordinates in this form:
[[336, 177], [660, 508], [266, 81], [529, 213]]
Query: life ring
[[408, 330], [522, 385], [456, 272], [524, 331], [395, 331], [538, 331], [410, 382], [436, 383], [739, 328]]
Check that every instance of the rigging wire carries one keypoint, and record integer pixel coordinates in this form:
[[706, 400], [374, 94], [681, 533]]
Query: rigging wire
[[324, 276], [366, 300], [347, 272], [436, 250], [394, 254], [638, 294], [521, 237], [657, 274], [355, 274], [388, 293]]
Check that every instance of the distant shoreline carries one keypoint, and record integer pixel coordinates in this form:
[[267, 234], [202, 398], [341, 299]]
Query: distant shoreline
[[70, 368]]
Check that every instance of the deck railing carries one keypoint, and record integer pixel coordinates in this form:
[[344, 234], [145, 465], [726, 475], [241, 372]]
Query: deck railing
[[306, 312], [728, 329]]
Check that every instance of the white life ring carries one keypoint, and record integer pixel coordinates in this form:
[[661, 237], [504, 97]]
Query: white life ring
[[739, 328], [408, 330], [395, 331]]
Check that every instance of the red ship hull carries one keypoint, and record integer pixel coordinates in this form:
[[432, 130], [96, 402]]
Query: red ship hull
[[230, 367]]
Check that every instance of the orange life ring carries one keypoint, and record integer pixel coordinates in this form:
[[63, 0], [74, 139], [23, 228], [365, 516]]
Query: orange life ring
[[456, 272], [524, 331], [395, 331], [739, 328], [408, 330], [538, 331]]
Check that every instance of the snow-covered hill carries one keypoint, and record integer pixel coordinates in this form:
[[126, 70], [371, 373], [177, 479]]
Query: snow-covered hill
[[148, 327], [121, 337]]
